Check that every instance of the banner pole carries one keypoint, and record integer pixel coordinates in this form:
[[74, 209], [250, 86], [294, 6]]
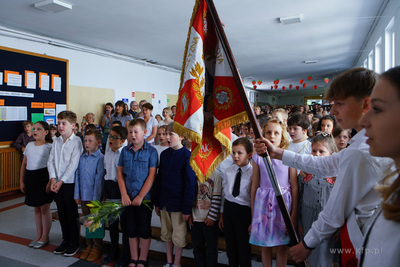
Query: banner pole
[[257, 131]]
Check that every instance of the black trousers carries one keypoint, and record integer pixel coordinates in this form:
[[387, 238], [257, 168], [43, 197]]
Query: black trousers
[[205, 244], [111, 191], [237, 219], [68, 214]]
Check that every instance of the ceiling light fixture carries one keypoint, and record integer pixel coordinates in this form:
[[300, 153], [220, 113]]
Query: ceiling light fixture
[[310, 61], [54, 6], [291, 19]]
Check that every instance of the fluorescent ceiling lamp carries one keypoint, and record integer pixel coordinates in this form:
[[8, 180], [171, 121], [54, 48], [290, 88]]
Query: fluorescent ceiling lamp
[[310, 61], [291, 19], [54, 6]]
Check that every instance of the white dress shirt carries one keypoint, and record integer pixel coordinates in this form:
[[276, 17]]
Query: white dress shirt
[[228, 181], [111, 159], [64, 158], [353, 197]]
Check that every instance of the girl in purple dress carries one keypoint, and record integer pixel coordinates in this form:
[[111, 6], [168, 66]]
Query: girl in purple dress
[[268, 227]]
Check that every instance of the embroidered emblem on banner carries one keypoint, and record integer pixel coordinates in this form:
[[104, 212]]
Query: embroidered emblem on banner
[[223, 98], [206, 149], [197, 72]]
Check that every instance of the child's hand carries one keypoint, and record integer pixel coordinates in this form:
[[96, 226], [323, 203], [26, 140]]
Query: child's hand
[[157, 210], [137, 201], [190, 221], [22, 187], [126, 201], [78, 201], [56, 186], [221, 222], [185, 218], [209, 222]]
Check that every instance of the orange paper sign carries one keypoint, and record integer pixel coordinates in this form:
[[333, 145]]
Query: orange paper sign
[[36, 105], [49, 105], [1, 102]]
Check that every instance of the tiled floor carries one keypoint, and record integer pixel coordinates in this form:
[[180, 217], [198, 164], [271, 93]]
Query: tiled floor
[[17, 229]]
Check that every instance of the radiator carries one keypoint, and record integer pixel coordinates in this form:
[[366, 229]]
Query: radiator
[[10, 164]]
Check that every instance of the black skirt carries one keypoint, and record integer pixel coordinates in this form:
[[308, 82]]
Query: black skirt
[[35, 187]]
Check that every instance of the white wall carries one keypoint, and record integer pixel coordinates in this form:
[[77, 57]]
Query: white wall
[[391, 10], [91, 70], [296, 100]]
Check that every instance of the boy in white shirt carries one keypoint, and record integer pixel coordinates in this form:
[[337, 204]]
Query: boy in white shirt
[[63, 162], [298, 125], [115, 144]]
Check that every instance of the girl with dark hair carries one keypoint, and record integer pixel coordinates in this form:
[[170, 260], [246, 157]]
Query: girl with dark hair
[[34, 179]]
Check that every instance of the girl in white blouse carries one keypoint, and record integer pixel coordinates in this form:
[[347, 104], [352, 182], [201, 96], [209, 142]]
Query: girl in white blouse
[[34, 178]]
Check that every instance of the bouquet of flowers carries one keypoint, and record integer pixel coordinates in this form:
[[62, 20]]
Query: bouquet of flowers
[[106, 211]]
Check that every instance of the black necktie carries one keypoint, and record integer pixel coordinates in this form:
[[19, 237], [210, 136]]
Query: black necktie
[[236, 186]]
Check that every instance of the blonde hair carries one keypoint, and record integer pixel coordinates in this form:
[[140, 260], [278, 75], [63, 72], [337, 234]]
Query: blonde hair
[[391, 195], [281, 111], [327, 138], [284, 138]]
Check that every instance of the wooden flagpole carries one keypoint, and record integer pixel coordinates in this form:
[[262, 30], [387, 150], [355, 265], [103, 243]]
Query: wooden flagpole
[[257, 131]]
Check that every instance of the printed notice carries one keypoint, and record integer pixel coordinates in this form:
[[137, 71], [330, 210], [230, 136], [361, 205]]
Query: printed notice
[[13, 113], [49, 112], [17, 94], [50, 120], [1, 78], [57, 84], [14, 80], [30, 81], [44, 81]]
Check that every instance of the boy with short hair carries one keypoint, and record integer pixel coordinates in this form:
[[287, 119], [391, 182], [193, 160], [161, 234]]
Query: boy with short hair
[[116, 139], [298, 125], [62, 164], [24, 138], [175, 190], [89, 186], [136, 173]]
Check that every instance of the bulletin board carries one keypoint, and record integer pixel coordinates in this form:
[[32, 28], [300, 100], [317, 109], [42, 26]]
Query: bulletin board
[[32, 87]]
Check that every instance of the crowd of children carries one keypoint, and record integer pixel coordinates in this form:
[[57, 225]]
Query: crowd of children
[[142, 170]]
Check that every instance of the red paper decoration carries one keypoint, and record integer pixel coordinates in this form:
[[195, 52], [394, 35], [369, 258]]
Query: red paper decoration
[[304, 85], [253, 82], [326, 80], [301, 81], [315, 87], [259, 82], [272, 87], [255, 87], [309, 77], [276, 86], [276, 81], [297, 87], [283, 88], [290, 86]]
